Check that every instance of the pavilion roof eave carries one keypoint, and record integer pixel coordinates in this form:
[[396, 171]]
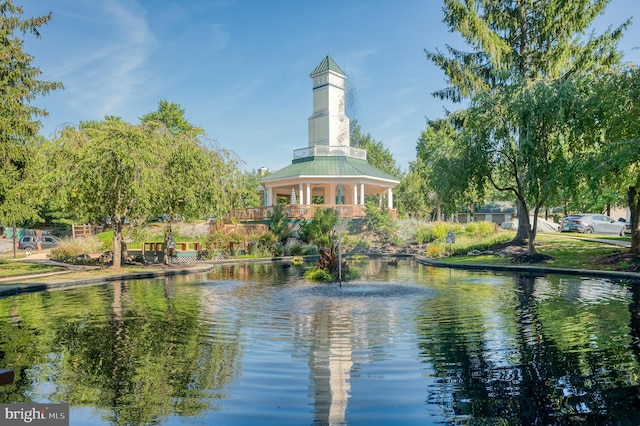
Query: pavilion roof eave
[[329, 178]]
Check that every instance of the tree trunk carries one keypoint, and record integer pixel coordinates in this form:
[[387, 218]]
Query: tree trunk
[[117, 244], [532, 229], [523, 221], [15, 243], [634, 206]]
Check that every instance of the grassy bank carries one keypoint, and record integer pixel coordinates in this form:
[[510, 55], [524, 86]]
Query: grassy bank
[[568, 251]]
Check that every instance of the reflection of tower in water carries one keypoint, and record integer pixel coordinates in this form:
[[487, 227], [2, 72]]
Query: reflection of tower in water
[[330, 362]]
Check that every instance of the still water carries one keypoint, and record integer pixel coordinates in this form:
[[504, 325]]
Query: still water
[[258, 344]]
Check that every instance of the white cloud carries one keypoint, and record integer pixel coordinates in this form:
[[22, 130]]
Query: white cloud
[[105, 70]]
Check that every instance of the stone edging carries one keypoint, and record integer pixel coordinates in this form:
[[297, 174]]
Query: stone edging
[[528, 268]]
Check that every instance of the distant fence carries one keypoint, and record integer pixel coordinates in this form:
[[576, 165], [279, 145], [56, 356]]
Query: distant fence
[[81, 231]]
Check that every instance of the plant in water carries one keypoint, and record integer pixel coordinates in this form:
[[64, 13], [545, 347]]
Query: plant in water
[[323, 232]]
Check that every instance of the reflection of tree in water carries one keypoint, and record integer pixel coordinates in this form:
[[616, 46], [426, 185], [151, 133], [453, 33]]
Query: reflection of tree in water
[[148, 359], [550, 370]]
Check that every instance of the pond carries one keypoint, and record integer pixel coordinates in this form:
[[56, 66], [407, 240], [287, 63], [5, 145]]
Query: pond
[[258, 344]]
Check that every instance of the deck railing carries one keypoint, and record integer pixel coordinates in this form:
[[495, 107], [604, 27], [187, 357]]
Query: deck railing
[[300, 211]]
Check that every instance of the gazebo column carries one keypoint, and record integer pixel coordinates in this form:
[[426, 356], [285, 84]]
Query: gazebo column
[[269, 196], [308, 194], [390, 198], [362, 194], [300, 198], [355, 193]]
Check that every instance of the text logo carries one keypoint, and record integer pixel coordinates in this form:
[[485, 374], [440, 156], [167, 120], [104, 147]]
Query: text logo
[[34, 414]]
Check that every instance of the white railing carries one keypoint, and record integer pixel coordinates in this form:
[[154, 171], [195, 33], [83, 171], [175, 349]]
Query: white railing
[[330, 151]]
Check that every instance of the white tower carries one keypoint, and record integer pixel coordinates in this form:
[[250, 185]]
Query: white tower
[[328, 125]]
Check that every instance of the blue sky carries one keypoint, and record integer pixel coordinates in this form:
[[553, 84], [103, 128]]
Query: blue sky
[[240, 68]]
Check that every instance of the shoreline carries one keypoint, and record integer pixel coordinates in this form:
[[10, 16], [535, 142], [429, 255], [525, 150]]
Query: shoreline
[[12, 286]]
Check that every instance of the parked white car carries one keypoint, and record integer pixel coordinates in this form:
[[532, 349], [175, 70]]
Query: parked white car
[[589, 223]]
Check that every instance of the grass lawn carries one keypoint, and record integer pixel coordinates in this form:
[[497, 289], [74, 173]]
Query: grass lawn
[[11, 268], [568, 252]]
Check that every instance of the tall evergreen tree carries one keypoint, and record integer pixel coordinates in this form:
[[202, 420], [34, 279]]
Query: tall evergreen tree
[[19, 125], [518, 43]]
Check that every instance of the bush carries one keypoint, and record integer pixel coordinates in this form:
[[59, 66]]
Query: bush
[[279, 223], [295, 249], [471, 228], [310, 251], [318, 230], [440, 229], [380, 222], [424, 234], [69, 250], [433, 251], [487, 228]]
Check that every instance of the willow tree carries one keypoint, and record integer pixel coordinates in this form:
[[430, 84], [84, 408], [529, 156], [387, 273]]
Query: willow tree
[[108, 169], [518, 43], [200, 178], [19, 125], [123, 171]]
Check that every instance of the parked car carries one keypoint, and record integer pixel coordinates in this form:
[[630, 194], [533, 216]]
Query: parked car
[[589, 223], [29, 242]]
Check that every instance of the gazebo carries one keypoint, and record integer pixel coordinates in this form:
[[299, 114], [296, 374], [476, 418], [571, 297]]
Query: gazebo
[[328, 173]]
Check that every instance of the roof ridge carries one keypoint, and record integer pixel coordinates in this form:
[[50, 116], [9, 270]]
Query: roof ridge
[[327, 64]]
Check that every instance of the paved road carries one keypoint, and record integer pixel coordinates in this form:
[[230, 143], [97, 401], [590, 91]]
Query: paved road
[[5, 245]]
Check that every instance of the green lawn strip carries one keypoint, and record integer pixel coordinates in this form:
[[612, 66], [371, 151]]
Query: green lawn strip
[[14, 268], [578, 235], [567, 253], [98, 273]]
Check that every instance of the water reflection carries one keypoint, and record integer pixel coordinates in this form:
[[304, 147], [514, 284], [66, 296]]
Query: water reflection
[[256, 343]]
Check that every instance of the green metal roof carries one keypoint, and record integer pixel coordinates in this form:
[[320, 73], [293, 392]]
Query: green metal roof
[[329, 166], [327, 64]]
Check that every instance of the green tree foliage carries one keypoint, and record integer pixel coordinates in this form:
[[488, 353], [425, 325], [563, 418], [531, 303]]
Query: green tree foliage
[[409, 195], [518, 45], [114, 169], [20, 193], [377, 154], [248, 189], [172, 116], [532, 163], [438, 163], [199, 179], [110, 169], [380, 222], [279, 223], [611, 121]]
